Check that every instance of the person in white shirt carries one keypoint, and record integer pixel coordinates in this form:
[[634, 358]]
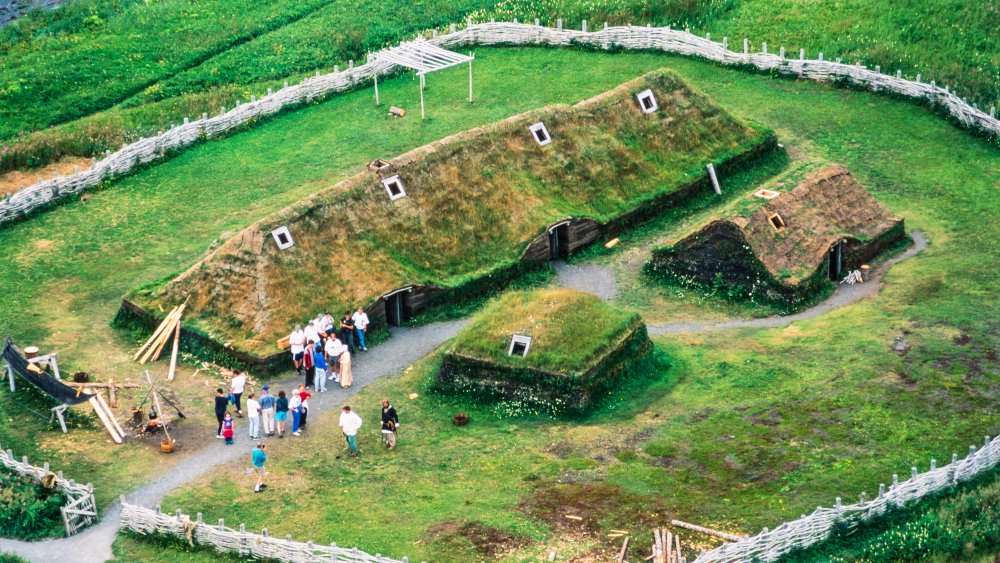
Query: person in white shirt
[[311, 332], [297, 342], [333, 349], [253, 416], [350, 422], [327, 324], [361, 327], [236, 386]]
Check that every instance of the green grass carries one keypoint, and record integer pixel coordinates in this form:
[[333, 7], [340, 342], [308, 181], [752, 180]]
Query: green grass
[[106, 79], [569, 330], [746, 429]]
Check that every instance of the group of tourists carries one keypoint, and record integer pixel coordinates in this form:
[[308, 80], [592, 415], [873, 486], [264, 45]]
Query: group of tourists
[[266, 416], [322, 350]]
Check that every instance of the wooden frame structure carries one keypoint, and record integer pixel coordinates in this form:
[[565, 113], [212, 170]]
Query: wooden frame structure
[[423, 57]]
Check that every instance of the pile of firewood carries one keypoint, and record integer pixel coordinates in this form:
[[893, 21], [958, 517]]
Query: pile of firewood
[[170, 327]]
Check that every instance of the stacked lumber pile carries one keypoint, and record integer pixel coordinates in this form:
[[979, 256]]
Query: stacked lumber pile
[[170, 327]]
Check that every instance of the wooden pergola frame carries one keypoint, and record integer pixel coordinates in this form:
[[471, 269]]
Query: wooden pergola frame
[[423, 57]]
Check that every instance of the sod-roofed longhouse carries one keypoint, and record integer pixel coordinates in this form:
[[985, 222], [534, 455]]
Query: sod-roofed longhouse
[[555, 348], [788, 247], [434, 222]]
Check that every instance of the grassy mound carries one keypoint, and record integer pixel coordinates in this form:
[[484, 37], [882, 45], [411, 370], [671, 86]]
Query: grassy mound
[[474, 201], [580, 347]]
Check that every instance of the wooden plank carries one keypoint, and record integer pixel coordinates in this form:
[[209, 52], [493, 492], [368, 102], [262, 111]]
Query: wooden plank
[[155, 350], [155, 334], [111, 415], [621, 554], [282, 343], [677, 547], [173, 354], [707, 531], [101, 414]]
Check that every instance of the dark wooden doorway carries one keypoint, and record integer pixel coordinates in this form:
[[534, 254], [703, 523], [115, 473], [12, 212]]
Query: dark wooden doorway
[[836, 261], [396, 309], [559, 242]]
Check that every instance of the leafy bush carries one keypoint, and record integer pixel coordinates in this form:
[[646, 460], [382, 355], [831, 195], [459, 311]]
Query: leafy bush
[[27, 509]]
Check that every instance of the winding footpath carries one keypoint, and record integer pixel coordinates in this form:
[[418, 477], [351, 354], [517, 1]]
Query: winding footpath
[[406, 346]]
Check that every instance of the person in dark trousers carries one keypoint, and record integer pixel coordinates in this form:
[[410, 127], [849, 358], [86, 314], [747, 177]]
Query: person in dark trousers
[[309, 364], [347, 331], [221, 405], [281, 413], [390, 423]]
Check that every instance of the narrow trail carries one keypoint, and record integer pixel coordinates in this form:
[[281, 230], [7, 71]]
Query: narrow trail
[[406, 346]]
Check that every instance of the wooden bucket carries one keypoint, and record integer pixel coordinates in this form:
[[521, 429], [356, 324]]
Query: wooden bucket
[[460, 419], [31, 352], [167, 445]]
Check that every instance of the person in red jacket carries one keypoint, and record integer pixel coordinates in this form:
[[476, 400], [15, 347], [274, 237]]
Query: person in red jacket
[[304, 396], [309, 363]]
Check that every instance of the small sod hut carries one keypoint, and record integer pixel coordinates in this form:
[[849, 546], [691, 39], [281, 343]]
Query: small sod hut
[[785, 249], [556, 347]]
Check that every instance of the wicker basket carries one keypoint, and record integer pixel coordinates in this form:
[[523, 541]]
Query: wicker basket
[[167, 445]]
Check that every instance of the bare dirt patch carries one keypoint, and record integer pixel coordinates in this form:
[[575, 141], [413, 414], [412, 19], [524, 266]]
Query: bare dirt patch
[[17, 180], [487, 541]]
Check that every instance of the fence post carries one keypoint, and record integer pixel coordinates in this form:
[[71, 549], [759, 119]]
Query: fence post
[[583, 26], [913, 472], [725, 43], [839, 505], [781, 53], [559, 24], [222, 524], [746, 46], [243, 539], [714, 179], [451, 27], [763, 48], [933, 464], [200, 519], [993, 113], [802, 54]]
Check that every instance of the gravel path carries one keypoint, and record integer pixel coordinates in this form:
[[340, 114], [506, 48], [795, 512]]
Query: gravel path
[[591, 278], [406, 346], [844, 295]]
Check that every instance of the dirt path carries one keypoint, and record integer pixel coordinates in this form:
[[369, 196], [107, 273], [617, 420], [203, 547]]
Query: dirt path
[[406, 346]]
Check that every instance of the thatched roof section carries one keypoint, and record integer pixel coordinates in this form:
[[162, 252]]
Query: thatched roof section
[[826, 207]]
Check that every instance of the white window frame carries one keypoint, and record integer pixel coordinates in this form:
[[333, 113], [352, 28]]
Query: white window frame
[[394, 180], [277, 234], [766, 194], [534, 129], [519, 339], [647, 94]]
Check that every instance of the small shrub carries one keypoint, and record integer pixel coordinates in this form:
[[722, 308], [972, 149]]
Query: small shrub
[[27, 509]]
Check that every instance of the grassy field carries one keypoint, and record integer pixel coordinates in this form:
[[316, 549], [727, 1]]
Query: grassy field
[[99, 63], [746, 429]]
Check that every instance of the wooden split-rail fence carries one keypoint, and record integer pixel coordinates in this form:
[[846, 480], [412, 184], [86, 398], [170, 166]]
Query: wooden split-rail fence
[[662, 39], [260, 546], [80, 510]]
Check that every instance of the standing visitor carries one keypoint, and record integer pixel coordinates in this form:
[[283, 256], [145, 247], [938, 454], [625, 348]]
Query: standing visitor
[[259, 459], [390, 423], [267, 404], [221, 404], [346, 377], [295, 406], [319, 358], [253, 416], [304, 397], [333, 349], [227, 429], [236, 387], [311, 332], [329, 325], [297, 343], [350, 422], [281, 406], [347, 331], [361, 327], [309, 363]]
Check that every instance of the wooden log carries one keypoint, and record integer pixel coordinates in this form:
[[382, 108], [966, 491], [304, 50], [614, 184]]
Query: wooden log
[[707, 531], [156, 334], [105, 416], [154, 351], [677, 547], [104, 385], [173, 354]]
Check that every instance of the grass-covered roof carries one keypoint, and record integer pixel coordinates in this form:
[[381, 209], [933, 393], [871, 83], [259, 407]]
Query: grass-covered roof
[[474, 201], [570, 331]]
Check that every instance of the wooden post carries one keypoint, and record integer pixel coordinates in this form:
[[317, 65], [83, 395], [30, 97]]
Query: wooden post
[[715, 181], [470, 75], [375, 78], [422, 97], [173, 354]]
